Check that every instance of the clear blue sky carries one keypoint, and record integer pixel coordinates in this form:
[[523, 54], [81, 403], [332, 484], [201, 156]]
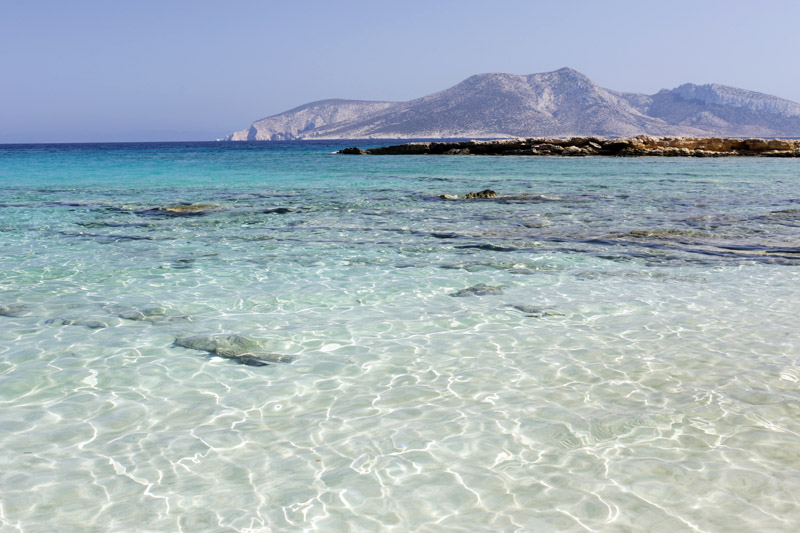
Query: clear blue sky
[[80, 70]]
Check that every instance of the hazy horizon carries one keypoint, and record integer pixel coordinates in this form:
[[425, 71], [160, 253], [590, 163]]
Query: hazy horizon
[[195, 71]]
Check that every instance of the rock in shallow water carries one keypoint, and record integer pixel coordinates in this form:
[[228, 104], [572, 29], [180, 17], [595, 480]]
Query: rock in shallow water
[[147, 313], [353, 150], [531, 311], [242, 349], [486, 193], [151, 314], [91, 324], [14, 310], [188, 208], [178, 210], [481, 289]]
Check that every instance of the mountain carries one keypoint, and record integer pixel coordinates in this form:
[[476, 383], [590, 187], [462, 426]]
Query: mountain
[[553, 104], [302, 122]]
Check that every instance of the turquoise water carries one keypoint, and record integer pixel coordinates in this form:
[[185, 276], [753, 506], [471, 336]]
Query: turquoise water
[[615, 350]]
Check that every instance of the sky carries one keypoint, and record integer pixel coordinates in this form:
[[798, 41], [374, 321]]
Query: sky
[[172, 70]]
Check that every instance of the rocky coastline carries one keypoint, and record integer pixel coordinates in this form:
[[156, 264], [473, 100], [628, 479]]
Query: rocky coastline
[[642, 145]]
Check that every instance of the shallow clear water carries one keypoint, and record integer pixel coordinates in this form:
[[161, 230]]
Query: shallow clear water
[[628, 360]]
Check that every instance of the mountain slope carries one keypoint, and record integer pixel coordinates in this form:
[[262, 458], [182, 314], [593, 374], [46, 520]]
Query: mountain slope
[[722, 110], [563, 102], [559, 103], [300, 122]]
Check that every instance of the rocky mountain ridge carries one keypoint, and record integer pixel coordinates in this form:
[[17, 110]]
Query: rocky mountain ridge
[[561, 103]]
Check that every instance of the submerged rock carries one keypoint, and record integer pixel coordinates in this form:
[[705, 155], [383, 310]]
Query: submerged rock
[[150, 314], [531, 311], [278, 210], [178, 210], [784, 216], [15, 310], [188, 208], [242, 349], [614, 426], [91, 324], [487, 246], [666, 233], [481, 289], [183, 263], [528, 309]]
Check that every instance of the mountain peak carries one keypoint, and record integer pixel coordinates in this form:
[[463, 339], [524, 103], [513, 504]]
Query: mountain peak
[[566, 71]]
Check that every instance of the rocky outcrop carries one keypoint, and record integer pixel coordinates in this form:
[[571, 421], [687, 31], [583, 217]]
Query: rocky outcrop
[[354, 150], [237, 347], [642, 145], [481, 195]]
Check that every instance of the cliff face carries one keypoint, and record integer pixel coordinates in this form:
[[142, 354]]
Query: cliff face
[[556, 104]]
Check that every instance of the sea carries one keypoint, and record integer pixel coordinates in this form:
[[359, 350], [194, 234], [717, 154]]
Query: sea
[[609, 344]]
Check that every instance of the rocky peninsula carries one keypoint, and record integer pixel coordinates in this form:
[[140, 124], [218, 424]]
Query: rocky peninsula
[[642, 145]]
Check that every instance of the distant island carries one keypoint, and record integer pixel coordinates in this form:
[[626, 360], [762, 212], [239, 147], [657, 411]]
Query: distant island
[[563, 103], [642, 145]]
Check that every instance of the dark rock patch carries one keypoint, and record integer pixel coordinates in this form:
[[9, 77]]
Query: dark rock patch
[[277, 210], [91, 324], [488, 194], [353, 150], [150, 314], [488, 247], [481, 289], [667, 233], [509, 266], [179, 210], [786, 217], [188, 208], [107, 238], [145, 314], [107, 224], [183, 263], [480, 195], [531, 311], [237, 347], [15, 310]]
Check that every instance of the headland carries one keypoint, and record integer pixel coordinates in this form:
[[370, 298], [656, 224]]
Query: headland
[[642, 145]]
